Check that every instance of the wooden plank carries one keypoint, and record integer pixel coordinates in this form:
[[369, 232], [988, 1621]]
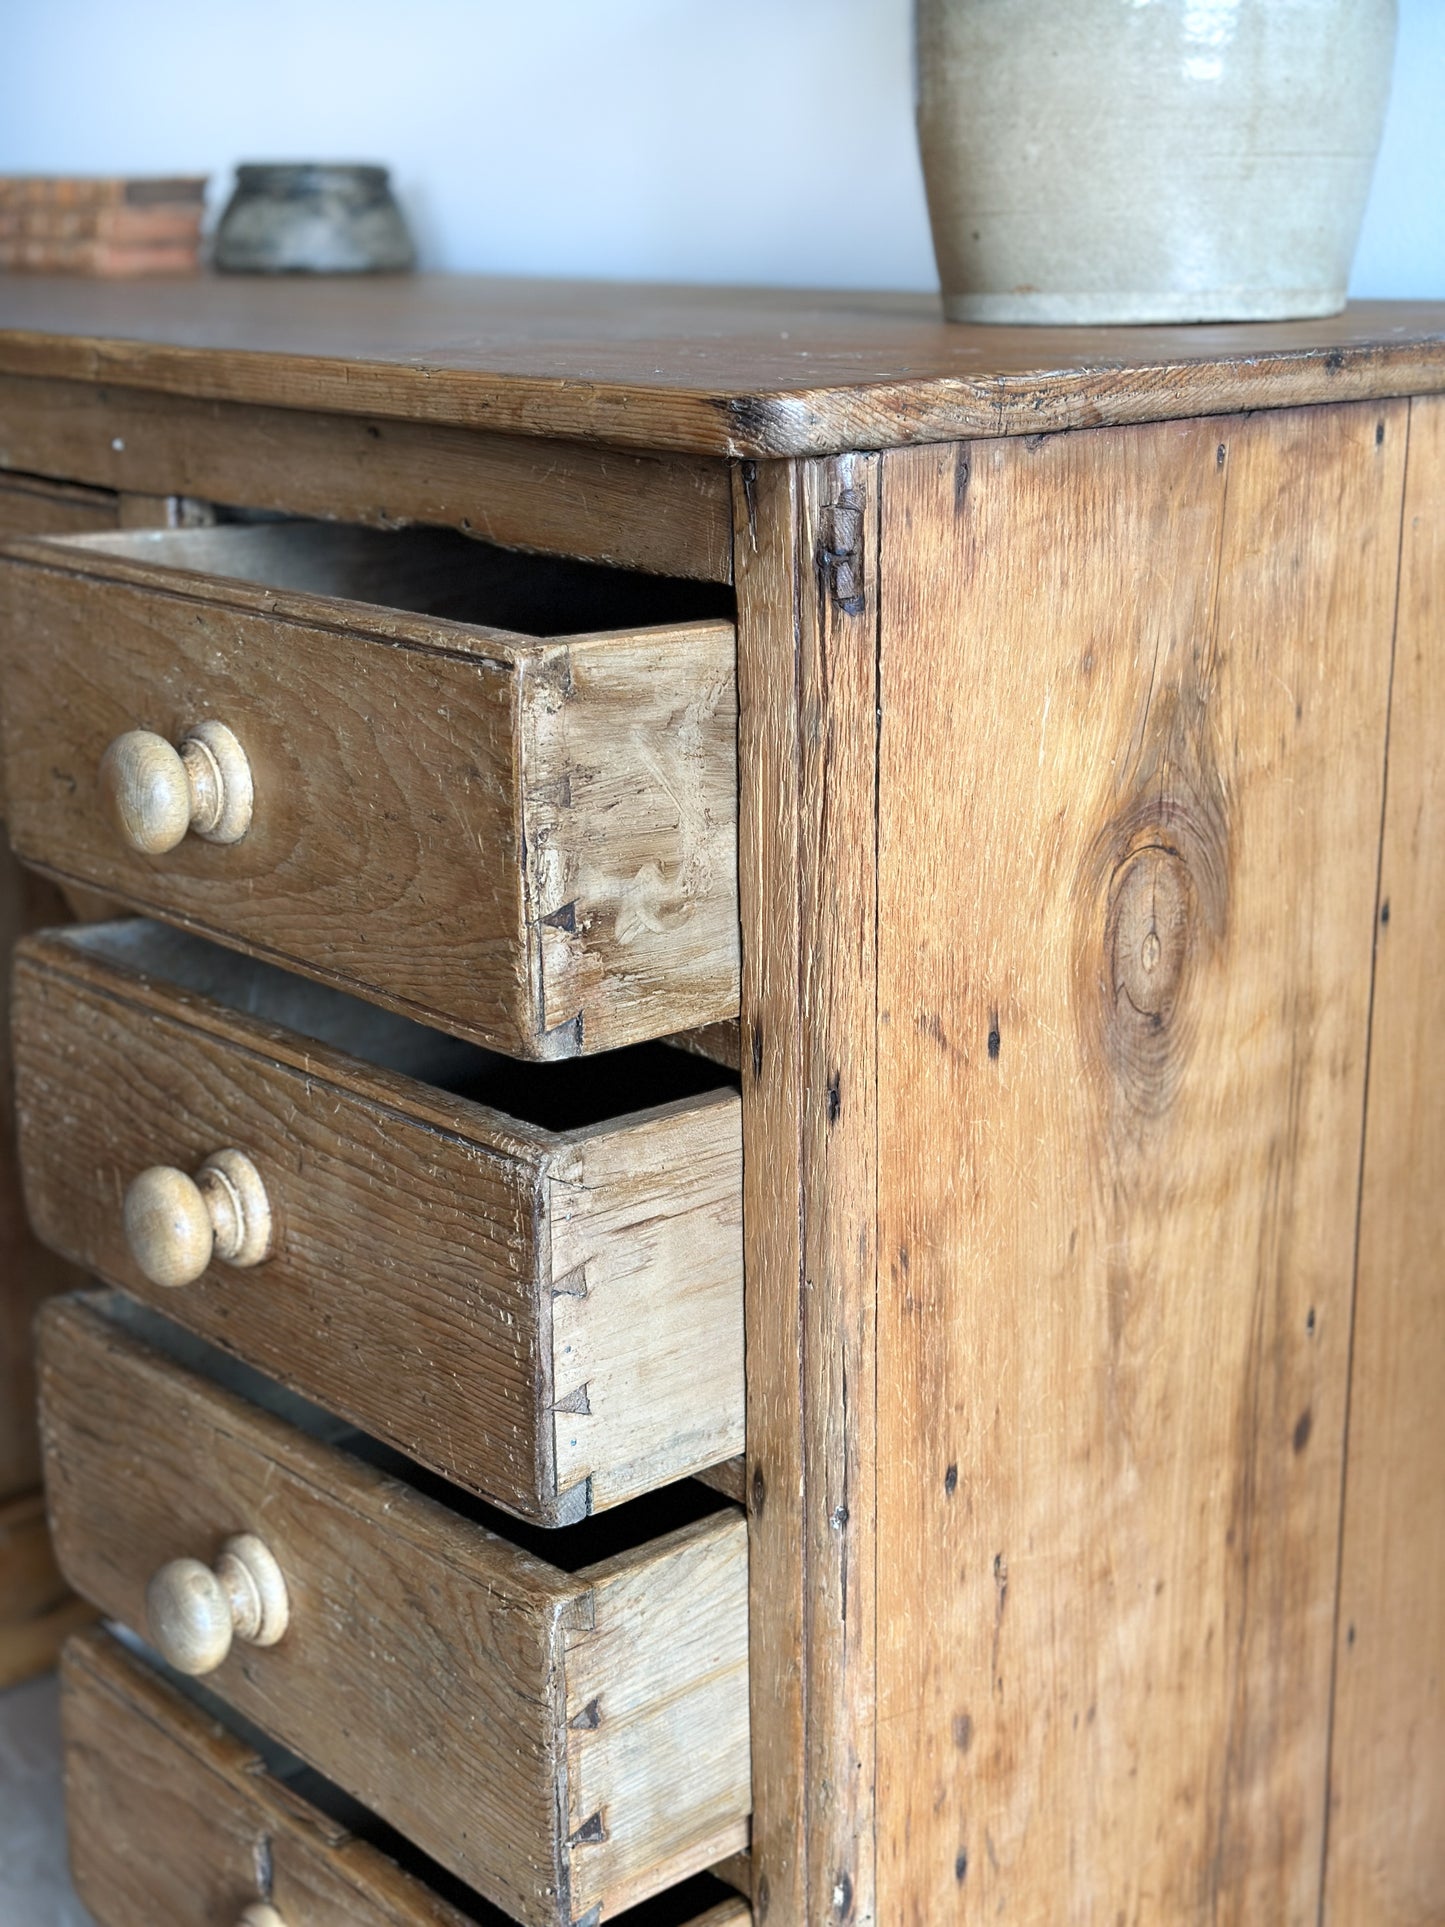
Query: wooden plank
[[173, 1818], [37, 1609], [807, 590], [669, 515], [644, 1303], [1134, 689], [721, 371], [425, 1664], [550, 1318], [559, 816], [1386, 1854], [667, 1629]]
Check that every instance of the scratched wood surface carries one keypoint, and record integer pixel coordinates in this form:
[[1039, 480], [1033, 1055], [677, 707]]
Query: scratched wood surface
[[559, 816], [807, 571], [198, 1825], [425, 1668], [173, 1818], [1134, 690], [549, 1317], [1386, 1859], [727, 371]]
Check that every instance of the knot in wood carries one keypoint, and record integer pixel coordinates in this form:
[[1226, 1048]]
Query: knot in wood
[[1150, 919], [1162, 870]]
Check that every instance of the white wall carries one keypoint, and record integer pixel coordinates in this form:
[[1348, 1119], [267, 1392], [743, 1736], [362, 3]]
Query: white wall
[[750, 140]]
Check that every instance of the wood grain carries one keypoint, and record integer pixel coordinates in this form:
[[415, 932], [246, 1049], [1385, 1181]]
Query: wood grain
[[1386, 1855], [668, 514], [427, 1662], [808, 612], [552, 1319], [196, 1827], [667, 1630], [1133, 693], [749, 372], [173, 1818], [559, 817]]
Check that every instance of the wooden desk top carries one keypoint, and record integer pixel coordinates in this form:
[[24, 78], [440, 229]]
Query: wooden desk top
[[713, 371]]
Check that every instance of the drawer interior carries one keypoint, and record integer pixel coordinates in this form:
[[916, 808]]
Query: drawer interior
[[430, 572], [568, 1095]]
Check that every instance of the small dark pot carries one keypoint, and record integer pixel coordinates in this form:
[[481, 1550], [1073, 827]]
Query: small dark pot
[[311, 217]]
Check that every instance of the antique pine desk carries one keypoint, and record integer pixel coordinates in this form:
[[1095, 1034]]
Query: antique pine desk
[[1037, 738]]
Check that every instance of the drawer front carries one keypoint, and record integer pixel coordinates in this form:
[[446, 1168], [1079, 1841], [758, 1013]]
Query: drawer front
[[532, 844], [550, 1319], [560, 1741], [176, 1822]]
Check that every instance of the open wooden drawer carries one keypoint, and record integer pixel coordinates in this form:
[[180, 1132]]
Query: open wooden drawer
[[561, 1720], [177, 1819], [496, 792], [528, 1277]]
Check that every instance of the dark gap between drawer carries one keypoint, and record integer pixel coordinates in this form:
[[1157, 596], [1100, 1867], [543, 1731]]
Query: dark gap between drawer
[[432, 572], [566, 1096], [671, 1909], [601, 1536]]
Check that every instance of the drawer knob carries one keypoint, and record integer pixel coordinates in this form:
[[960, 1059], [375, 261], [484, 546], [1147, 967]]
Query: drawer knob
[[194, 1611], [154, 794], [175, 1225]]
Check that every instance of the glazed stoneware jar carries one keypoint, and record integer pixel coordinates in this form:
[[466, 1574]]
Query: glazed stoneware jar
[[312, 217], [1149, 160]]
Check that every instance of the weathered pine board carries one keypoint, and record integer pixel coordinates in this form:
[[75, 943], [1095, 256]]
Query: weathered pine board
[[558, 816], [1386, 1855], [1134, 692], [808, 615], [667, 514], [722, 371], [552, 1319], [418, 1635], [175, 1820]]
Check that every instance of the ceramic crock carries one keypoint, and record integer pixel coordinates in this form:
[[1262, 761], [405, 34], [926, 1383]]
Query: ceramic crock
[[1149, 160], [312, 217]]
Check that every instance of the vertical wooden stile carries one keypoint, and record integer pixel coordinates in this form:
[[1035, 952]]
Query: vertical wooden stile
[[1385, 1862], [807, 580]]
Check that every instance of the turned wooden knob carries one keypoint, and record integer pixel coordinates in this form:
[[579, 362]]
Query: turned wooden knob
[[260, 1915], [194, 1611], [154, 794], [175, 1225]]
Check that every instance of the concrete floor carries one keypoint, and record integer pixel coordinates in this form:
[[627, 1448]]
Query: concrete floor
[[35, 1889]]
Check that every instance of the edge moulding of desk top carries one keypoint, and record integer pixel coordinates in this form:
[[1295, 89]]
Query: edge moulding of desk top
[[707, 371]]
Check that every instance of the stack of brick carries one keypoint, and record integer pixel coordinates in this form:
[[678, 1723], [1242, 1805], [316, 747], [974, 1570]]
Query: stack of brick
[[74, 225]]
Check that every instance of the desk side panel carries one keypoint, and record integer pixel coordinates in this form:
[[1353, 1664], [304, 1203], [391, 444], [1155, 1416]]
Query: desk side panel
[[1134, 688]]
